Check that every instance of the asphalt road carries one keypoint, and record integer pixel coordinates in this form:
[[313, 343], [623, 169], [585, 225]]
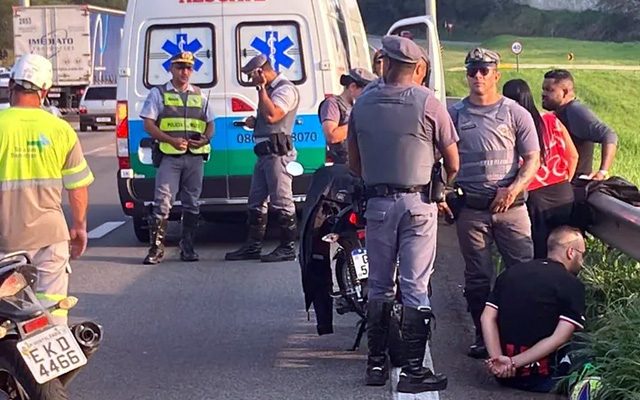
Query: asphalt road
[[232, 330]]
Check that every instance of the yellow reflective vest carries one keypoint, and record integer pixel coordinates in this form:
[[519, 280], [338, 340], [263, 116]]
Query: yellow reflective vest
[[181, 120]]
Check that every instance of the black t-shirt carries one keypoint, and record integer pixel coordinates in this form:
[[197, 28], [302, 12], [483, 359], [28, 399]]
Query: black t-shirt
[[531, 298]]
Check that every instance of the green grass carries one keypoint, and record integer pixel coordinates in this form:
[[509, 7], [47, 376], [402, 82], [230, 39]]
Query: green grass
[[554, 50], [612, 280], [612, 95]]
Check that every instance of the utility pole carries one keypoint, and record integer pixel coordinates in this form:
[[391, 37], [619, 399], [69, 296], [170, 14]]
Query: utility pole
[[431, 9]]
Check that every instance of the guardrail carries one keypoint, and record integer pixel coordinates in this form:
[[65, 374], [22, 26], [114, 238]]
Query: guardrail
[[616, 223]]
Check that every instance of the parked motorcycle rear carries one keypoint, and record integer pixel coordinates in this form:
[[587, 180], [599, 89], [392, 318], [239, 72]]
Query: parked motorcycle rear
[[333, 247], [38, 359]]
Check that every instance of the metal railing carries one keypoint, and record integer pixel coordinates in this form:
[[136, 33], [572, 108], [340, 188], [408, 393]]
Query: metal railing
[[616, 223]]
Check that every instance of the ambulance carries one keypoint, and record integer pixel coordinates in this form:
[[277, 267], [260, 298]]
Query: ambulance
[[312, 42]]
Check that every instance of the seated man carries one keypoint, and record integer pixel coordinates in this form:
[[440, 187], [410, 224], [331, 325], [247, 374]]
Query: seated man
[[533, 311]]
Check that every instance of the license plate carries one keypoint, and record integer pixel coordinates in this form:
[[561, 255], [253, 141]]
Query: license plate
[[54, 95], [361, 263], [51, 353], [103, 119]]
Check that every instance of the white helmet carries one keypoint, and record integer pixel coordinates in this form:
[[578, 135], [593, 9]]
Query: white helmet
[[33, 72]]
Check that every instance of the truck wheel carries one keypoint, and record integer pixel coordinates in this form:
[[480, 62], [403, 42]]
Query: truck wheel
[[141, 229], [83, 128]]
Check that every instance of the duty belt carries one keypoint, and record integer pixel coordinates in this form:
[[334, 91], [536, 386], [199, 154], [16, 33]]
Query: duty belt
[[483, 202], [387, 190]]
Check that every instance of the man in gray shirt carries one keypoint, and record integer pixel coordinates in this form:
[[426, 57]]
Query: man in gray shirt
[[334, 113], [585, 128], [495, 132]]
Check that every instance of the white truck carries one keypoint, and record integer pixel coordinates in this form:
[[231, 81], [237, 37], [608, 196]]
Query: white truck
[[82, 42]]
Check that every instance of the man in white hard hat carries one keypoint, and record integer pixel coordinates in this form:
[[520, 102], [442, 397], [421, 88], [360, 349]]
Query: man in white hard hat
[[39, 155]]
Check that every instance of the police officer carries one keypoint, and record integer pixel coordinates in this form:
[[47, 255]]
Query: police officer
[[419, 79], [495, 132], [396, 132], [334, 112], [179, 117], [278, 101]]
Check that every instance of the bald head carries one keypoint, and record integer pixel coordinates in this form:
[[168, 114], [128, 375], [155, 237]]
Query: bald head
[[567, 246], [562, 237]]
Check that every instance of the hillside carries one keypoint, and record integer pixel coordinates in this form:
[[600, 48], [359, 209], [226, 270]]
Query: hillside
[[612, 95], [483, 19]]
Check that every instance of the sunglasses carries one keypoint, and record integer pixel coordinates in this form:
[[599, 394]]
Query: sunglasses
[[484, 71], [189, 67]]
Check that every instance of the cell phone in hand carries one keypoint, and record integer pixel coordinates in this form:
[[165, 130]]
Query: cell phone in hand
[[195, 136]]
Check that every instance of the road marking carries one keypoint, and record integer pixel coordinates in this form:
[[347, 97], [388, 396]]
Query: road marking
[[104, 229], [395, 376], [99, 149]]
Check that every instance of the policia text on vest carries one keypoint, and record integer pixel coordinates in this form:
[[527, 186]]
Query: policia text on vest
[[180, 120]]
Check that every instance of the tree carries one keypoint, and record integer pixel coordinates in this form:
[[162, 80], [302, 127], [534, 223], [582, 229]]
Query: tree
[[630, 8]]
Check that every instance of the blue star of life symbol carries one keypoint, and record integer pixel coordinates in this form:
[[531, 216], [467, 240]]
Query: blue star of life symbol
[[182, 44], [275, 49]]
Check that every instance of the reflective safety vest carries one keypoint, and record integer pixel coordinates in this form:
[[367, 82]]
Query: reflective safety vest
[[182, 121]]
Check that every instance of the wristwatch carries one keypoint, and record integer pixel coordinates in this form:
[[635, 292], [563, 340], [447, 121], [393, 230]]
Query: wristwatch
[[259, 87]]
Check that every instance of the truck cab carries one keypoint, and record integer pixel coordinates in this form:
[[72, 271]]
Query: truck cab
[[311, 42]]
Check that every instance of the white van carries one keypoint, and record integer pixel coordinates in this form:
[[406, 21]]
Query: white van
[[312, 42]]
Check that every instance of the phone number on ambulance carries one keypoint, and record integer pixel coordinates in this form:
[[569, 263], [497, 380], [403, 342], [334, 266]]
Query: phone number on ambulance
[[296, 137]]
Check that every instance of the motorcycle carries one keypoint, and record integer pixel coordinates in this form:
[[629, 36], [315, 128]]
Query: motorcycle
[[333, 257], [38, 359]]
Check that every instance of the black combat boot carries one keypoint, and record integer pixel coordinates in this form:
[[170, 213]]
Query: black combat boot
[[157, 232], [415, 331], [286, 250], [189, 228], [395, 348], [253, 246], [378, 315]]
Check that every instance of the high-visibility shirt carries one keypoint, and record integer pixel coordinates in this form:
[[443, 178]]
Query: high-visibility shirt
[[39, 155]]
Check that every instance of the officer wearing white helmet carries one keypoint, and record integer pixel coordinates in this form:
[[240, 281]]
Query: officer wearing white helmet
[[40, 155]]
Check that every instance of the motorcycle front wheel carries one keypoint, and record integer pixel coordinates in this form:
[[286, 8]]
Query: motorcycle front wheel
[[16, 381]]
